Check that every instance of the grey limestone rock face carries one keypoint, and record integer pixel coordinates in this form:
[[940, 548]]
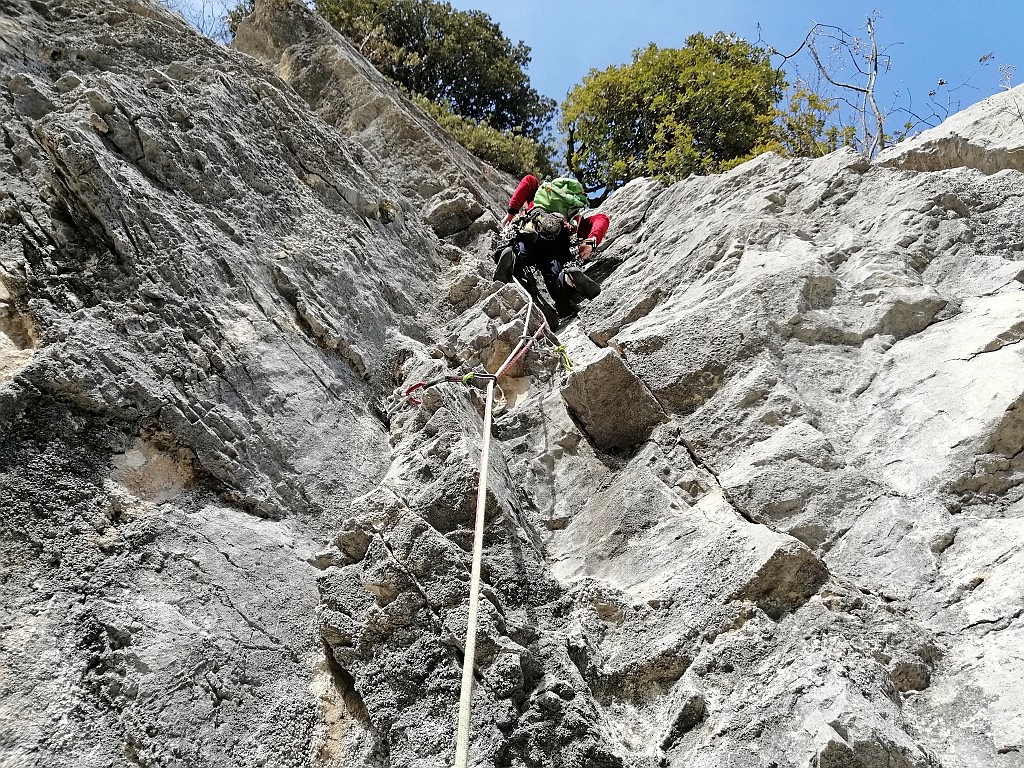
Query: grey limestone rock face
[[401, 142], [614, 407], [200, 306], [845, 360], [773, 519]]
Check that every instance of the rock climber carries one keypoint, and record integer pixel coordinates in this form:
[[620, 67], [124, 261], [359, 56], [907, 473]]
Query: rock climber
[[551, 217]]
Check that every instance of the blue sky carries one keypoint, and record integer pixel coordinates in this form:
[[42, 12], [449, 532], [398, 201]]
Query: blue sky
[[938, 39]]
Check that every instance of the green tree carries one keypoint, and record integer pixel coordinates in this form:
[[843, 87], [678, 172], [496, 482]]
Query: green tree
[[457, 58], [234, 16], [510, 151], [671, 112], [804, 127]]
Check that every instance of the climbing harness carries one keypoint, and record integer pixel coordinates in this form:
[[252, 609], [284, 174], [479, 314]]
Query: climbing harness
[[524, 224]]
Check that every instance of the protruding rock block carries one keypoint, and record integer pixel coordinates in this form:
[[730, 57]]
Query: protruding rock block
[[987, 136], [785, 580], [691, 711], [451, 211], [611, 403]]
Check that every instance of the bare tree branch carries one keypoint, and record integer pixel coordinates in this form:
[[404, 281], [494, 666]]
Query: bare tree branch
[[827, 76], [867, 62]]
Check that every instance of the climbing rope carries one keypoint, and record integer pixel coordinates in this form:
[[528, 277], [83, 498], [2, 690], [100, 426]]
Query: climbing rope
[[466, 693], [526, 341]]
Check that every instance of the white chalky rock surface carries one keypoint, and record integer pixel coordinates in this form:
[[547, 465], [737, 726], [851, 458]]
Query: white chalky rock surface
[[987, 137], [796, 541]]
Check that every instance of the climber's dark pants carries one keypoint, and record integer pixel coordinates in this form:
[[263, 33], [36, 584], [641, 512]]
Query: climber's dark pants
[[549, 258]]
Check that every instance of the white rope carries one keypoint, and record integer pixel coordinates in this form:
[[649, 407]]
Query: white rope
[[466, 694], [465, 700]]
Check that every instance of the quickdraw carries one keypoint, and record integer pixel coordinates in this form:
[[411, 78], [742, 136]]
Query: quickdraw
[[564, 356], [425, 385], [402, 397]]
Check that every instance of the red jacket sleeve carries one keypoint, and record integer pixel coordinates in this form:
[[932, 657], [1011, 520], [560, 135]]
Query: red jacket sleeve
[[524, 194], [595, 226]]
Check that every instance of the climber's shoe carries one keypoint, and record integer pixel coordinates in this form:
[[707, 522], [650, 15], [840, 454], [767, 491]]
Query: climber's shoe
[[578, 279], [506, 263], [566, 309], [550, 315]]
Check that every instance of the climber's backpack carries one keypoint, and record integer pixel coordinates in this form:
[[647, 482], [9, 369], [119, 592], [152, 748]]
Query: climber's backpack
[[562, 195], [543, 224]]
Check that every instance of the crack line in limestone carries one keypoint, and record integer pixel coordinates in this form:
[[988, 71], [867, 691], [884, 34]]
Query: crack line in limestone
[[302, 360], [931, 323], [63, 177], [643, 218], [985, 351], [996, 625], [23, 211], [725, 493], [996, 291], [224, 596], [415, 582], [343, 351], [331, 184]]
